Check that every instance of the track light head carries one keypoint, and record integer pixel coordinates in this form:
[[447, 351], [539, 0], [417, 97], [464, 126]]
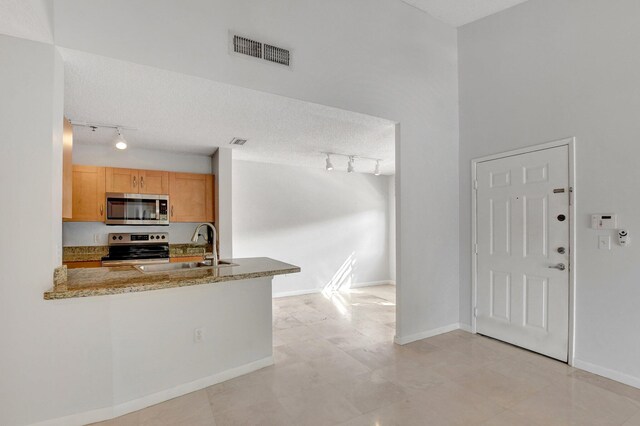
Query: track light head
[[120, 141], [377, 169], [329, 164], [351, 165]]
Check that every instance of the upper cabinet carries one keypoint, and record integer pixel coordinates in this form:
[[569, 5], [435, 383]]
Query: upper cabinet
[[122, 180], [88, 194], [131, 181], [153, 182], [190, 197]]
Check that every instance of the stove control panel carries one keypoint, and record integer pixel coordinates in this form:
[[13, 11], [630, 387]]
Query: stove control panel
[[138, 238]]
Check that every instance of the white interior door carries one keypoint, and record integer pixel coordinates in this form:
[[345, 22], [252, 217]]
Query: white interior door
[[522, 291]]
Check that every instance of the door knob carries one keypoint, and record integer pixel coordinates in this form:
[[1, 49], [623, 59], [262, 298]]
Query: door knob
[[559, 266], [561, 250]]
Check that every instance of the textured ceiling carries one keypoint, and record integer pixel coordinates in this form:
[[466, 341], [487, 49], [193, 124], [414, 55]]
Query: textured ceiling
[[26, 19], [177, 112], [460, 12]]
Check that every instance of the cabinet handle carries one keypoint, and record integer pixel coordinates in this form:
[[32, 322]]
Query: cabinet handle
[[171, 210], [101, 209], [141, 181], [134, 181]]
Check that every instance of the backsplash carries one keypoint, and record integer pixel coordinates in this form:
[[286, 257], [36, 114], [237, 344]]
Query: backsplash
[[95, 234]]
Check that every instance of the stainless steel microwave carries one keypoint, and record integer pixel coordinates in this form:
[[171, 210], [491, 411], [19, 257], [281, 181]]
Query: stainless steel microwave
[[137, 209]]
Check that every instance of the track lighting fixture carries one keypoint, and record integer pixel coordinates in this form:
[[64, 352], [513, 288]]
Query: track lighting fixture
[[329, 164], [351, 163], [120, 141]]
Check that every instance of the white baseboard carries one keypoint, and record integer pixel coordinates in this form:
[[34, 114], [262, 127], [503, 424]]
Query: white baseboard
[[317, 290], [609, 374], [403, 340], [295, 293], [372, 283], [577, 363], [466, 327], [107, 413]]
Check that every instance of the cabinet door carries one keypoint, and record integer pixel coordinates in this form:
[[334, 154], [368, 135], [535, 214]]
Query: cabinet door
[[153, 182], [189, 198], [122, 180], [88, 194], [210, 203]]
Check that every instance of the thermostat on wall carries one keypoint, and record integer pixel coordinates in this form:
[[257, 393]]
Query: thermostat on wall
[[604, 221]]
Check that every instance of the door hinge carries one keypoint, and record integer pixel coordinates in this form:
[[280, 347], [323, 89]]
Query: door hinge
[[475, 312], [475, 248], [475, 184]]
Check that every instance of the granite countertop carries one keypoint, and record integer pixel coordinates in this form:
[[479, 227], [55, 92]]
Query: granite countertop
[[95, 253], [85, 282]]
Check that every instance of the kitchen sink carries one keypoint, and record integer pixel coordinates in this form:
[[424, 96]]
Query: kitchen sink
[[168, 267]]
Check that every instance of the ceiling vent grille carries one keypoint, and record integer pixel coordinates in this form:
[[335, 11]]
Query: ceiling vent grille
[[276, 54], [238, 141], [247, 46]]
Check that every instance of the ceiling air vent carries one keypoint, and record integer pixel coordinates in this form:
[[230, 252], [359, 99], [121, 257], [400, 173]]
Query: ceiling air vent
[[238, 141], [247, 46], [276, 54]]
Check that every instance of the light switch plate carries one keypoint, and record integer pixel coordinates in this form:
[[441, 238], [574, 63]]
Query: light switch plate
[[604, 242]]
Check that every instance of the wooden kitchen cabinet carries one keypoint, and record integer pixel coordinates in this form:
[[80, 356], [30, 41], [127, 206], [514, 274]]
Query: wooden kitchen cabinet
[[131, 181], [153, 182], [121, 180], [88, 194], [191, 197], [83, 264], [186, 259]]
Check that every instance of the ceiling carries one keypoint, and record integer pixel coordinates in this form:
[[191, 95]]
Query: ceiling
[[26, 19], [181, 113], [461, 12], [29, 18]]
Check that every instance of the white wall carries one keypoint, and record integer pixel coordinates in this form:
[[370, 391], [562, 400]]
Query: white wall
[[378, 57], [222, 166], [94, 233], [542, 71], [134, 158], [392, 227], [59, 358], [338, 62], [57, 109], [29, 78], [333, 225]]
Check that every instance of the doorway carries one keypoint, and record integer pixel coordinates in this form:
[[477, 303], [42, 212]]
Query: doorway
[[522, 248]]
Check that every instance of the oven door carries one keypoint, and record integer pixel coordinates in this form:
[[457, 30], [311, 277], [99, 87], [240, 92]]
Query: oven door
[[136, 209]]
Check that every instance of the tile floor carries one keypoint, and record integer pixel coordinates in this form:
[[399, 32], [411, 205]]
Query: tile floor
[[336, 365]]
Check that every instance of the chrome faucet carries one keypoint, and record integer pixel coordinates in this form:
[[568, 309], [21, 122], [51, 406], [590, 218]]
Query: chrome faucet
[[196, 234]]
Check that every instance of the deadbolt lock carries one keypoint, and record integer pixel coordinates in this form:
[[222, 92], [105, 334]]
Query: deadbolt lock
[[562, 250]]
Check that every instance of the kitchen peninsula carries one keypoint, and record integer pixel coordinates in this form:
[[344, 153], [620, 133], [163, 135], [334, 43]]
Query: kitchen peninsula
[[85, 282], [136, 221]]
